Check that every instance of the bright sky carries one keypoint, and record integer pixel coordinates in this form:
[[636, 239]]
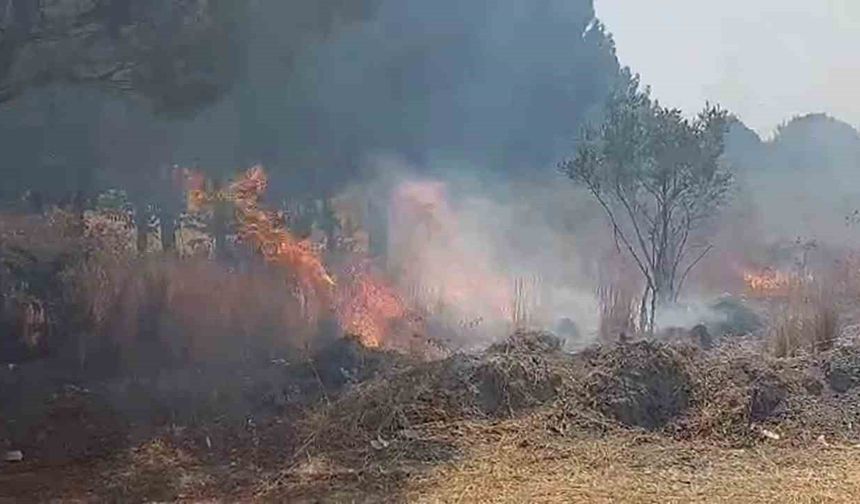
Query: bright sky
[[765, 60]]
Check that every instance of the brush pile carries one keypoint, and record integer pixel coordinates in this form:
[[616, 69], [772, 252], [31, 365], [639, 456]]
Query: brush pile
[[527, 371], [729, 395], [641, 384]]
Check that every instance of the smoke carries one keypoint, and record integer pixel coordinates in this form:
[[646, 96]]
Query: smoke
[[485, 254], [499, 85], [802, 183], [690, 315], [795, 202], [473, 103]]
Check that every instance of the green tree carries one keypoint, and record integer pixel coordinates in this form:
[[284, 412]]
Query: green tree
[[659, 177]]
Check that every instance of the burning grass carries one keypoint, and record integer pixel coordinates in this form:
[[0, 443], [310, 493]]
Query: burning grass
[[223, 345]]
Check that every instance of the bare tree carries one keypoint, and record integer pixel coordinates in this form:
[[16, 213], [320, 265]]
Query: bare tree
[[658, 176]]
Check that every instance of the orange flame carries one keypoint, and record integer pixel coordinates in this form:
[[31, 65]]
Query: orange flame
[[197, 198], [262, 230], [365, 305], [769, 283]]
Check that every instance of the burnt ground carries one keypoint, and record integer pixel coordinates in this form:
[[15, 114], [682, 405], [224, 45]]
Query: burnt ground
[[523, 420]]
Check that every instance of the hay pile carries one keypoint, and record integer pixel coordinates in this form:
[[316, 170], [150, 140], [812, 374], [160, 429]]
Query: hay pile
[[729, 395], [642, 384], [842, 370], [733, 390], [527, 371], [738, 393]]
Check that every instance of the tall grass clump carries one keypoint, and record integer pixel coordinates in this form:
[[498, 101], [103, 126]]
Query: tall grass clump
[[806, 322], [618, 313]]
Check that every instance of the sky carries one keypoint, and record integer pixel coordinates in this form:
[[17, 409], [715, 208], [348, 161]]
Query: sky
[[764, 60]]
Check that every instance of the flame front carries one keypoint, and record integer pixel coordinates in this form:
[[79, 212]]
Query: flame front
[[769, 282], [367, 306], [364, 304], [264, 232]]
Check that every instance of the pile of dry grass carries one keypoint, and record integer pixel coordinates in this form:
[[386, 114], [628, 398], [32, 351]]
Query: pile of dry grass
[[735, 389], [842, 369], [642, 384], [526, 372]]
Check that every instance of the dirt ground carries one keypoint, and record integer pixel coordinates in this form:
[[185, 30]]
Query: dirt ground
[[510, 461], [521, 422], [512, 468]]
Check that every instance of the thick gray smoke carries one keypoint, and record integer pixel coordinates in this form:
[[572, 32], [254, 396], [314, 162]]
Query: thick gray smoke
[[484, 254], [805, 181], [483, 96], [500, 84]]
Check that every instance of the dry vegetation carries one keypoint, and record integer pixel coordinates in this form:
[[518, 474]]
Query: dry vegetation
[[641, 422], [618, 312], [509, 463], [217, 393], [102, 302], [807, 321]]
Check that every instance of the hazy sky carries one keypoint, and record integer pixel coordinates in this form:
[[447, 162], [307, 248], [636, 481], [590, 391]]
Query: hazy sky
[[765, 60]]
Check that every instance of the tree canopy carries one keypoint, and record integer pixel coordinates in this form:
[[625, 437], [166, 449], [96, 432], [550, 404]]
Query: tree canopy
[[659, 176]]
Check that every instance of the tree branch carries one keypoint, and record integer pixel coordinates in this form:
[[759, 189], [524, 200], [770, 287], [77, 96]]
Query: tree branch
[[619, 232], [690, 268], [620, 194]]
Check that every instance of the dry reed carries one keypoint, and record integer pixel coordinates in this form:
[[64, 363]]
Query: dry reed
[[618, 313], [806, 322]]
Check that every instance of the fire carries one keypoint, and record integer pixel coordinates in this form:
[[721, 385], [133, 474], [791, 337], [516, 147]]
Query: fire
[[264, 232], [445, 270], [197, 197], [367, 306], [770, 283], [364, 304]]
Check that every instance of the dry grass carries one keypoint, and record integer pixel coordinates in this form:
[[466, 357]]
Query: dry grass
[[487, 429], [196, 311], [806, 323], [524, 302], [509, 461], [509, 378], [106, 300], [618, 312], [734, 389], [513, 463]]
